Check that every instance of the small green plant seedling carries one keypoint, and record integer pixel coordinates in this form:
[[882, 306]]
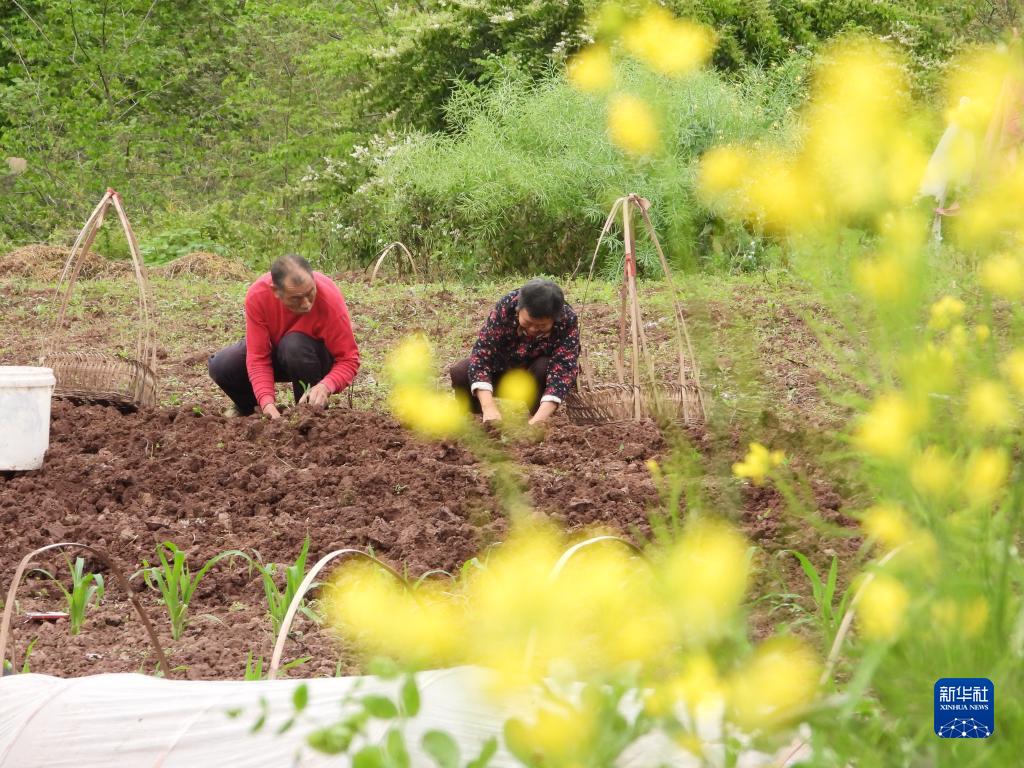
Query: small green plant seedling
[[254, 666], [823, 592], [86, 589], [279, 599], [176, 583]]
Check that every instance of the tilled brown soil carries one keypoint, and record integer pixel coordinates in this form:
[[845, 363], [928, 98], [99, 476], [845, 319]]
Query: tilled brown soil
[[347, 478], [354, 478]]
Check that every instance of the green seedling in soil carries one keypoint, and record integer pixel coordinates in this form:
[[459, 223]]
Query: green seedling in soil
[[254, 666], [176, 583], [86, 589], [26, 666], [305, 388], [824, 594], [279, 599]]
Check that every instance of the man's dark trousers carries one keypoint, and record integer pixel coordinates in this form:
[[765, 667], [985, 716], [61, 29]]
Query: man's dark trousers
[[297, 358]]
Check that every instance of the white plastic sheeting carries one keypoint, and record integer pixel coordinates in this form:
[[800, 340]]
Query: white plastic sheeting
[[130, 721], [135, 720]]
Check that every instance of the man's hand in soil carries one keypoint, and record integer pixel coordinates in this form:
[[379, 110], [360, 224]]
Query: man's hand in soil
[[544, 412], [488, 407], [271, 410], [316, 396]]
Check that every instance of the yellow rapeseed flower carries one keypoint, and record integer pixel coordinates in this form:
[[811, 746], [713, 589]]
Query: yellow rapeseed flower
[[779, 195], [886, 431], [985, 475], [944, 614], [607, 608], [976, 83], [1013, 369], [758, 462], [888, 524], [369, 605], [411, 363], [654, 469], [989, 407], [432, 414], [931, 369], [882, 608], [705, 575], [861, 149], [698, 684], [414, 400], [632, 125], [668, 45], [932, 472], [517, 385], [967, 618], [722, 170], [560, 733], [591, 69], [945, 312], [1003, 275], [775, 685], [884, 279], [982, 333]]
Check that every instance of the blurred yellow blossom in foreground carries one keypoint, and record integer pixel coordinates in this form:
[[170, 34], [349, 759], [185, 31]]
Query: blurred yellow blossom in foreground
[[987, 472], [758, 462], [881, 610], [706, 574], [887, 430], [374, 608], [945, 312], [775, 685], [591, 69], [1013, 369], [632, 124], [932, 472], [989, 407], [668, 45], [414, 399], [861, 156], [1003, 276], [518, 385], [887, 523]]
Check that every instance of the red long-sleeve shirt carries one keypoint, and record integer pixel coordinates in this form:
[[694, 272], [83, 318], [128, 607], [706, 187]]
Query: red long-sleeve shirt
[[267, 320]]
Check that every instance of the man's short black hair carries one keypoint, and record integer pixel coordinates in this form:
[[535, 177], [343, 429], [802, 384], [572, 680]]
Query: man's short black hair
[[288, 267], [542, 299]]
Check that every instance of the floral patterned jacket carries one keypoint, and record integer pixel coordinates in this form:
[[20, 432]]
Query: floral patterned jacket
[[502, 345]]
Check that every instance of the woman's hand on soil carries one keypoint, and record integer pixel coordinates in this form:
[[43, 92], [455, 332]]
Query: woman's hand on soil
[[316, 395], [543, 413], [271, 410], [491, 413]]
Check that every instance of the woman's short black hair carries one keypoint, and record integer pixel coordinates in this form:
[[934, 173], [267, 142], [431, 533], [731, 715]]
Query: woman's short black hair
[[542, 299]]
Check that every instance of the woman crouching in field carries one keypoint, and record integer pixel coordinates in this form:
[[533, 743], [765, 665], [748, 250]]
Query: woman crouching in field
[[533, 329]]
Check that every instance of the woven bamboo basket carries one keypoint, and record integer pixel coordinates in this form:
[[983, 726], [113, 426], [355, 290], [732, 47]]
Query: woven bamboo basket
[[644, 396], [97, 376]]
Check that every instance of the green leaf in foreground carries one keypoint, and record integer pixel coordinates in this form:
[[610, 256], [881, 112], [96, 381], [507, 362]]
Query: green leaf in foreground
[[300, 698], [442, 747], [380, 707], [410, 697]]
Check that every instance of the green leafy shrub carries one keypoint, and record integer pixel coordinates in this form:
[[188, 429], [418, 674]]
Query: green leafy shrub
[[529, 175]]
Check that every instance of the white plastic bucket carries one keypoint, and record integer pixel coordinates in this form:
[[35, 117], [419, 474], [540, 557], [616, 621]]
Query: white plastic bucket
[[25, 394]]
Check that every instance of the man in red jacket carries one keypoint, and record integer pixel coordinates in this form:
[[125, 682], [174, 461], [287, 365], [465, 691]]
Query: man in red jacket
[[297, 329]]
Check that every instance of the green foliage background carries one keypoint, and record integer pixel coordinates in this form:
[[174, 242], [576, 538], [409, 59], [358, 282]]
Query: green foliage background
[[331, 128]]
